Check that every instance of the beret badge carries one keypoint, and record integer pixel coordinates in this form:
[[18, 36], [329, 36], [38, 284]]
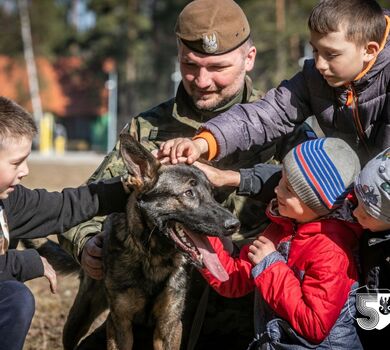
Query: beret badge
[[210, 44]]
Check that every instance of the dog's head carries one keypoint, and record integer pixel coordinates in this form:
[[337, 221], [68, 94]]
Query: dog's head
[[177, 199]]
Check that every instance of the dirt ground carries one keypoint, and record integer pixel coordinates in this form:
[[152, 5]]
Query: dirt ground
[[55, 173]]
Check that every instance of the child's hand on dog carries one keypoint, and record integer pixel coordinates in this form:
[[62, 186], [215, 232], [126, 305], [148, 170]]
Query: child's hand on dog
[[259, 249], [218, 177], [50, 274], [182, 150]]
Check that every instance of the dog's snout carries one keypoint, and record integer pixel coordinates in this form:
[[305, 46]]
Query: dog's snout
[[231, 225]]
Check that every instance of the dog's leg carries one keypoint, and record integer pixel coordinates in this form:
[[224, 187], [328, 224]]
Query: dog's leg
[[123, 307], [168, 330], [90, 302], [167, 311], [169, 341], [115, 339]]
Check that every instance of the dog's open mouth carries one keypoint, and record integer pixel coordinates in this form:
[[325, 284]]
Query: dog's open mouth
[[199, 250]]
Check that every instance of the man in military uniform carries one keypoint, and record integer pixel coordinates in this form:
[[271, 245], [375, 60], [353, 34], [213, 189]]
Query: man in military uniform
[[215, 52]]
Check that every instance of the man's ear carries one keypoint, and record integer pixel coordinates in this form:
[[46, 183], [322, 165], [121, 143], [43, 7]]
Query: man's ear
[[250, 58], [371, 51]]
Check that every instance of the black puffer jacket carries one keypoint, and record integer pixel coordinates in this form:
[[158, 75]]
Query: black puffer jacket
[[38, 213]]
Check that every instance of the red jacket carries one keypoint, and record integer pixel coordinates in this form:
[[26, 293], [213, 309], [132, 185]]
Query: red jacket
[[309, 284]]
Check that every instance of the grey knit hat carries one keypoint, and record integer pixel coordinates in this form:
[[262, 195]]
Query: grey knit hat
[[372, 186], [321, 172]]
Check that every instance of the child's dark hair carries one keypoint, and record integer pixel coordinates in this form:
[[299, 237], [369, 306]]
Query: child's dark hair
[[363, 20], [15, 121]]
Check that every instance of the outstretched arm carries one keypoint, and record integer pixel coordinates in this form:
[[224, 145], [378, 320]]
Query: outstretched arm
[[262, 121], [39, 213], [240, 281]]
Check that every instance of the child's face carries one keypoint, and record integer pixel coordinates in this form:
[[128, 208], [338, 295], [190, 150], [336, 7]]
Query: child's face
[[369, 222], [339, 61], [290, 205], [13, 163]]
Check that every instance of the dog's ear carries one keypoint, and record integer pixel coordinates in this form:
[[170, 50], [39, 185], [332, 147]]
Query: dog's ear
[[140, 163]]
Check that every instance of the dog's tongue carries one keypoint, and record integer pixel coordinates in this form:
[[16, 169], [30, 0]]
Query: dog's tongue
[[210, 258]]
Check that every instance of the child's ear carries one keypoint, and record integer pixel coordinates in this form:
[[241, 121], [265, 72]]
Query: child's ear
[[371, 51]]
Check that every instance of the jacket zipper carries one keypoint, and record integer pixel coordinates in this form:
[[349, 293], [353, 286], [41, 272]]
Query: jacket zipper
[[352, 100], [290, 240]]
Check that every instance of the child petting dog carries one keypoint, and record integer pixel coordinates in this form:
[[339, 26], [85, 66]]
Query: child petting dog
[[345, 86], [302, 267], [28, 213], [371, 208]]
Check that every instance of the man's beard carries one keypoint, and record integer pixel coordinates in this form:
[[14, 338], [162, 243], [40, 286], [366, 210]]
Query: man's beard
[[217, 105]]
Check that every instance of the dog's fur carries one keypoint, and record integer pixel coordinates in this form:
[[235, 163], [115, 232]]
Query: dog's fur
[[144, 253]]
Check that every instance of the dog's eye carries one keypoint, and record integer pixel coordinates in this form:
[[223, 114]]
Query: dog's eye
[[189, 193], [193, 182]]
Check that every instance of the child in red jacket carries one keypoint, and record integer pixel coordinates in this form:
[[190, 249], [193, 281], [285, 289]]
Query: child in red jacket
[[302, 266]]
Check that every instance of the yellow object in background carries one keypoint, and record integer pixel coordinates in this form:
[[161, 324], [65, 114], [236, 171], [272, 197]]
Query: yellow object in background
[[59, 144], [46, 133]]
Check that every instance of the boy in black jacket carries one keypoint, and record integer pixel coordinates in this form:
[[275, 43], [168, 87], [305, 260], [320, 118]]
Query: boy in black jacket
[[28, 213]]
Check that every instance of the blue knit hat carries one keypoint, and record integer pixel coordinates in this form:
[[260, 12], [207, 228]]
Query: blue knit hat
[[321, 172]]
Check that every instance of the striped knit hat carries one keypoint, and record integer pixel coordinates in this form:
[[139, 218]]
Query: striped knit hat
[[321, 172]]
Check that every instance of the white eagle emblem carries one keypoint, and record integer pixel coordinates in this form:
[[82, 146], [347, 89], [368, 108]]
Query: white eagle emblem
[[210, 44]]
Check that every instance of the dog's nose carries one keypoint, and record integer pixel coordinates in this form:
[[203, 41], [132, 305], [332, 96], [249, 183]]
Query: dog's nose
[[231, 225]]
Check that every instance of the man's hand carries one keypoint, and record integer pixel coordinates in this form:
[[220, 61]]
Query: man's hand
[[259, 249], [91, 257], [218, 177], [182, 150], [50, 274]]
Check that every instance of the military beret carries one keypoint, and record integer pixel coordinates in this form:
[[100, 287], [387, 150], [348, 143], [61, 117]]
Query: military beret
[[212, 27]]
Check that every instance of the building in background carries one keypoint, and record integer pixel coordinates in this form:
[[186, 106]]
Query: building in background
[[71, 92]]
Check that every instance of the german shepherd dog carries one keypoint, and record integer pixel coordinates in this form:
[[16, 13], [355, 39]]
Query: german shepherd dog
[[170, 211]]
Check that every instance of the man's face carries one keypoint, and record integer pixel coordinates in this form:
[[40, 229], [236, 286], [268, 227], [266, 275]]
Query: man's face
[[13, 163], [338, 60], [212, 81]]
